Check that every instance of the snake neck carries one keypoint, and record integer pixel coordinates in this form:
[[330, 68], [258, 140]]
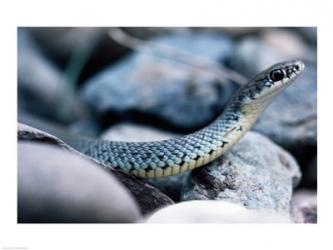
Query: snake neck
[[230, 126]]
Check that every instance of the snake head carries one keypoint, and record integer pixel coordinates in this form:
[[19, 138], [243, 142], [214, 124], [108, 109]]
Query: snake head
[[271, 81]]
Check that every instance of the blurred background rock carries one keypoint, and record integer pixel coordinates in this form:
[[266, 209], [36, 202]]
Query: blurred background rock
[[137, 84]]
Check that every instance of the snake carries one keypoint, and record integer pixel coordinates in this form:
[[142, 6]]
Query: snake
[[173, 156]]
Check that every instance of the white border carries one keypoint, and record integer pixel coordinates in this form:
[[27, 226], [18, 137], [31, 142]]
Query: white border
[[167, 13]]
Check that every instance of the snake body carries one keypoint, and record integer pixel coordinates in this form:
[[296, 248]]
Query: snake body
[[170, 157]]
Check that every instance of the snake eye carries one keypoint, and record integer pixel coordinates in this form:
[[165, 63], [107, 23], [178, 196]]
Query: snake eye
[[276, 75]]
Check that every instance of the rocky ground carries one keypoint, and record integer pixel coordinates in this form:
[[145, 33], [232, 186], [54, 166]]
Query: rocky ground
[[142, 84]]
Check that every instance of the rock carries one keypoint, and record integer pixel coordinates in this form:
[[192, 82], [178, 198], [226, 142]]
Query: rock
[[56, 186], [60, 43], [309, 174], [294, 46], [255, 173], [148, 198], [26, 132], [309, 34], [42, 89], [85, 127], [135, 133], [163, 91], [171, 185], [236, 32], [213, 212], [304, 206]]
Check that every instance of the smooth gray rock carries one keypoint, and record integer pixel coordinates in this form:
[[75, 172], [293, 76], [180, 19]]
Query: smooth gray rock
[[293, 44], [304, 206], [214, 212], [255, 173], [57, 186], [135, 133], [161, 90], [42, 88]]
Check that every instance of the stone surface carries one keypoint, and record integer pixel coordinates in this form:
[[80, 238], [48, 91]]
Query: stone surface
[[213, 212], [135, 133], [56, 186], [309, 34], [293, 44], [304, 206], [255, 173], [161, 90], [26, 132], [42, 89]]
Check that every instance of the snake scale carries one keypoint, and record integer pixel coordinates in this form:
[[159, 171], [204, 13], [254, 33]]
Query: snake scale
[[170, 157]]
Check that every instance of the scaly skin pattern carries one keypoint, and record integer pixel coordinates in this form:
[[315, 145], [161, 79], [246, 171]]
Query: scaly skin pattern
[[170, 157]]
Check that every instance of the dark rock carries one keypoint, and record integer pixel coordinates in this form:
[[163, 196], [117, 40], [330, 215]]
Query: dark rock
[[309, 172], [214, 212], [42, 88], [60, 43], [57, 186], [235, 32], [171, 185], [163, 91], [255, 173], [304, 206], [148, 198]]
